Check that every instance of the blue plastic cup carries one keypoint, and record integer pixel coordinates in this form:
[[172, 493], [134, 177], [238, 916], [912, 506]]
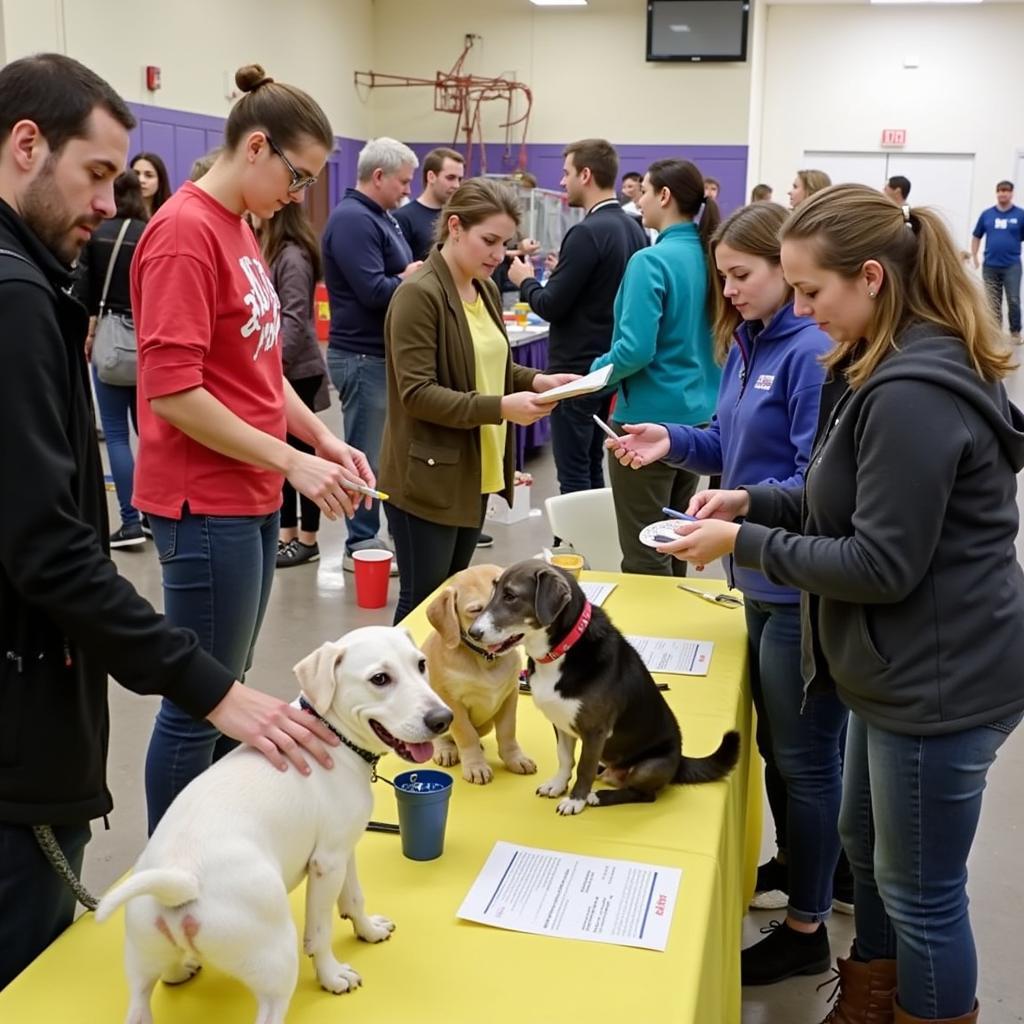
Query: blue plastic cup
[[422, 797]]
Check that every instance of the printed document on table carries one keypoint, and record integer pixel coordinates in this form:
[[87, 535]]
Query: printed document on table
[[569, 896], [679, 657], [597, 593]]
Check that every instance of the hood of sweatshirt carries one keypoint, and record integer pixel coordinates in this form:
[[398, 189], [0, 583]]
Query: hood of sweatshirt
[[930, 353]]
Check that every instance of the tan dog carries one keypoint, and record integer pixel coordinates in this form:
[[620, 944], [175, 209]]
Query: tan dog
[[481, 687]]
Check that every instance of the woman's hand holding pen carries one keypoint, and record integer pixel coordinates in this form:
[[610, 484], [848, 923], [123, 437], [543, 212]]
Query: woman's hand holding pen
[[641, 445]]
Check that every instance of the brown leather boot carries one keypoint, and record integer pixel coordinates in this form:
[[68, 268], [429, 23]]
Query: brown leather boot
[[902, 1017], [865, 992]]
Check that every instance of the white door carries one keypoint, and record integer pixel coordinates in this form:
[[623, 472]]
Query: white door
[[849, 168], [942, 181]]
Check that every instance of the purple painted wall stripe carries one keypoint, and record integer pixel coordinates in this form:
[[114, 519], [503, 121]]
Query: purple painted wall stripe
[[180, 137]]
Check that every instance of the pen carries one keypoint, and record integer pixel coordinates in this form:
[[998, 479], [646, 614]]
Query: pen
[[673, 514], [604, 426], [363, 489]]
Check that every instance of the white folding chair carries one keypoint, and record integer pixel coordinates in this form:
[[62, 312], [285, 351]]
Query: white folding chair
[[586, 520]]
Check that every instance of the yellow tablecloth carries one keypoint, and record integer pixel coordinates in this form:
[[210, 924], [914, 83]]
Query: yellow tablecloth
[[438, 969]]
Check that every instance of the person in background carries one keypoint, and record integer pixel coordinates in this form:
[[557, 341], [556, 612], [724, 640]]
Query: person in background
[[761, 194], [153, 177], [577, 301], [443, 171], [897, 188], [452, 391], [1002, 227], [711, 188], [203, 163], [629, 188], [805, 184], [216, 406], [762, 432], [116, 402], [366, 258], [902, 542], [661, 352], [68, 621], [292, 252]]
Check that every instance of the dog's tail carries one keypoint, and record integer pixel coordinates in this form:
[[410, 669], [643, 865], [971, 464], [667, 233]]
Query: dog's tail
[[170, 886], [713, 767]]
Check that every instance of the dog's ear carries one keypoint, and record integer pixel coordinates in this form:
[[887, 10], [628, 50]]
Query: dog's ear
[[553, 594], [316, 674], [444, 617]]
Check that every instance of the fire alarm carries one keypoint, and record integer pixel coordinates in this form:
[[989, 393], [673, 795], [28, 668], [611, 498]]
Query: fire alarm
[[152, 77]]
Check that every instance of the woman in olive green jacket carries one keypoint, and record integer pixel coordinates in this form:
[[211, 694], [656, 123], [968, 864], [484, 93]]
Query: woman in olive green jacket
[[452, 390]]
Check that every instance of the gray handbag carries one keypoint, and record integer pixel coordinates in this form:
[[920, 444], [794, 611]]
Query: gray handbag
[[115, 352]]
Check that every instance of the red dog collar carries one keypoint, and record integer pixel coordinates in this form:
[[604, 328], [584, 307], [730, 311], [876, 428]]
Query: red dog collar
[[569, 641]]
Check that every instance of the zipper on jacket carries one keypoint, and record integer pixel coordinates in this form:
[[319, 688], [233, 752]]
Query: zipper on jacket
[[16, 658]]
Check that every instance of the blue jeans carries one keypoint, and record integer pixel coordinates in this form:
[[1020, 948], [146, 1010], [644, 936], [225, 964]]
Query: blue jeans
[[1000, 279], [362, 386], [578, 444], [36, 904], [805, 737], [910, 811], [117, 406], [217, 572]]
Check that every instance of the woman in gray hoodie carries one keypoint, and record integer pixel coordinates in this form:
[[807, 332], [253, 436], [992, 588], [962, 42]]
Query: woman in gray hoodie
[[902, 539]]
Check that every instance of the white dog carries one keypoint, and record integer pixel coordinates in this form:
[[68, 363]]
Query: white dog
[[212, 883]]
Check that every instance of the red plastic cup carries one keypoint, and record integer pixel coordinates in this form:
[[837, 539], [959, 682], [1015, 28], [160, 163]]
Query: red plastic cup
[[372, 572]]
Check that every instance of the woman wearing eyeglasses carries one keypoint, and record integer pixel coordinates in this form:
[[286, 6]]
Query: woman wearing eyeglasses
[[214, 407]]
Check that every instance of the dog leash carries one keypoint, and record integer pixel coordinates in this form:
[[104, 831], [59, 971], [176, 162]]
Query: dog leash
[[55, 855]]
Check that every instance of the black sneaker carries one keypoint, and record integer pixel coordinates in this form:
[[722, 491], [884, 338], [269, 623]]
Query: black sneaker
[[146, 528], [485, 540], [128, 536], [297, 553], [771, 890], [785, 953]]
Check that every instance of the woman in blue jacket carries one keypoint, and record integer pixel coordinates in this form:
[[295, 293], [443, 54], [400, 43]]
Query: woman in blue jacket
[[762, 431], [661, 349]]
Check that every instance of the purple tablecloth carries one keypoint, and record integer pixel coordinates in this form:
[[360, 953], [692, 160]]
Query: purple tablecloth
[[531, 353]]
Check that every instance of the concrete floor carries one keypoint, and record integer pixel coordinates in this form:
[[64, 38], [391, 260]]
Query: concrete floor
[[313, 602]]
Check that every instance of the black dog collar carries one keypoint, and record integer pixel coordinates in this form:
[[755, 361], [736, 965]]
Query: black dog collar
[[475, 648], [370, 758]]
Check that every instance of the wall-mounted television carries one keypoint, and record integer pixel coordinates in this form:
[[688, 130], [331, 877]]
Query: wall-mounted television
[[697, 30]]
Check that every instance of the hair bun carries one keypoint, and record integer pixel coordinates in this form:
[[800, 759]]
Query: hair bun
[[250, 77]]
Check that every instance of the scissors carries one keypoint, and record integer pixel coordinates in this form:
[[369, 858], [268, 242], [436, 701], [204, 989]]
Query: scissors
[[726, 600]]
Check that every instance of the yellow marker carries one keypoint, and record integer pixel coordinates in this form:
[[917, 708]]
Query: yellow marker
[[363, 489]]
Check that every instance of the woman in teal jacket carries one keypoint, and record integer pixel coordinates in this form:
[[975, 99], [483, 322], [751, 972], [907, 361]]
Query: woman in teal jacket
[[662, 352]]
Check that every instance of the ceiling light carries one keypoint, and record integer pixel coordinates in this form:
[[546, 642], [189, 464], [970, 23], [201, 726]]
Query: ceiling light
[[894, 2], [680, 28], [559, 3]]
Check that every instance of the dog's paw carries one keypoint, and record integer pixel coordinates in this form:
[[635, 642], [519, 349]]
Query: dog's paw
[[446, 756], [553, 787], [571, 805], [478, 772], [521, 764], [375, 928], [338, 978]]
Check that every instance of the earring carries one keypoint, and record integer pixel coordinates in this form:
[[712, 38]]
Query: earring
[[871, 294]]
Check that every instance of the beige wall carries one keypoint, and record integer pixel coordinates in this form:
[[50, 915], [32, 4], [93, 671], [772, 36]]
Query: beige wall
[[585, 66], [833, 78], [198, 44]]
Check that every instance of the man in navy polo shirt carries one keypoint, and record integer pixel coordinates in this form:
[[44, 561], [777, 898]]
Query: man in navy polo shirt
[[1002, 226], [366, 258]]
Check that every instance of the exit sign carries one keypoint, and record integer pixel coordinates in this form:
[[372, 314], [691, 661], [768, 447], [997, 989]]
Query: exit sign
[[894, 136]]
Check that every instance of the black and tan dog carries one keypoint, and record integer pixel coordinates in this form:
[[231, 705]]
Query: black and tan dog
[[593, 686]]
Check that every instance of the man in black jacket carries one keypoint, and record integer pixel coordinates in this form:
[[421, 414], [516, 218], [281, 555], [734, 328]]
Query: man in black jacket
[[67, 618], [578, 300]]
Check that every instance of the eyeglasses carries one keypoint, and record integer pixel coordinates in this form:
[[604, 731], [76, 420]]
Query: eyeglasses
[[299, 181]]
